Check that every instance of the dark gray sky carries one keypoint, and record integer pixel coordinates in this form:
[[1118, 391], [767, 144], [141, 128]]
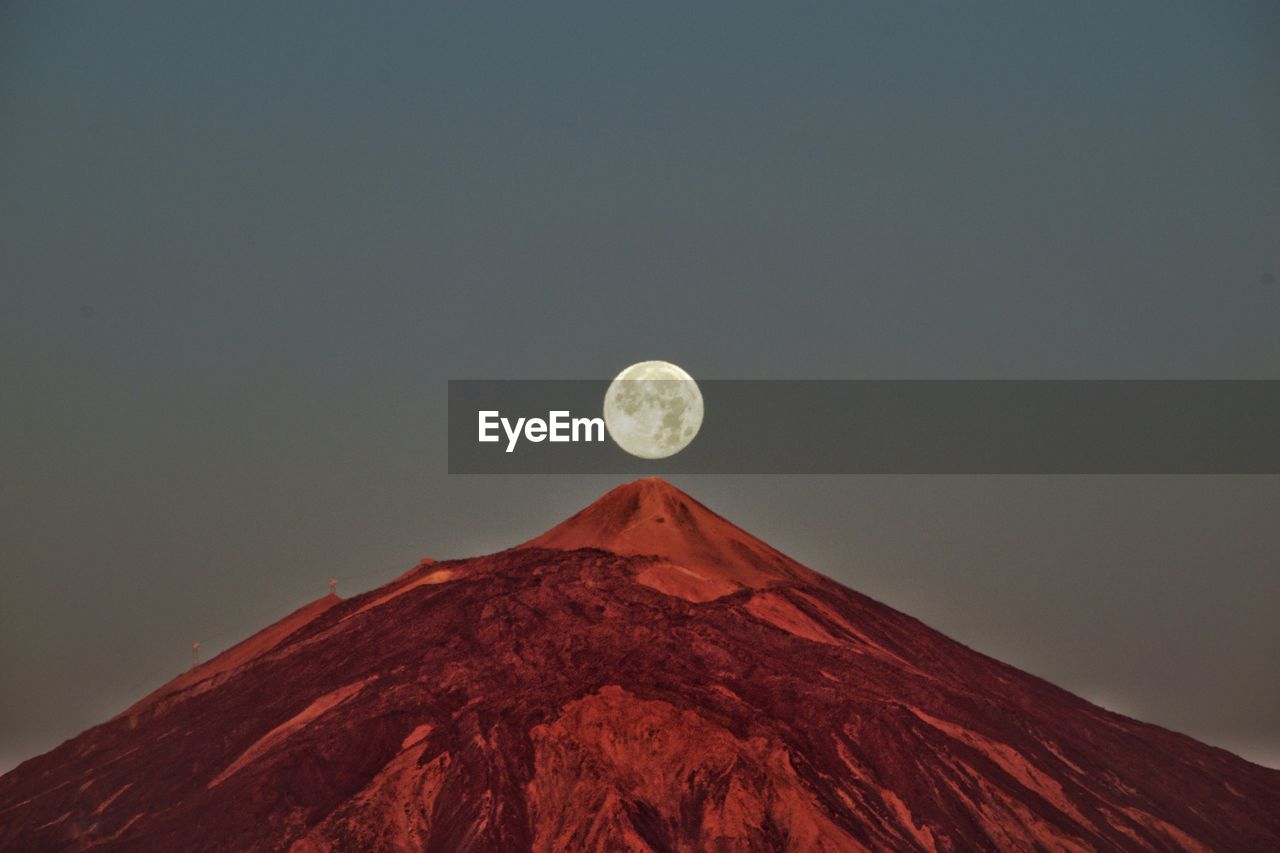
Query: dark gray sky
[[244, 248]]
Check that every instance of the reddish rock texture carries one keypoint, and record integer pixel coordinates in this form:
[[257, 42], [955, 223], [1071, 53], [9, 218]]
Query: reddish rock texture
[[643, 677]]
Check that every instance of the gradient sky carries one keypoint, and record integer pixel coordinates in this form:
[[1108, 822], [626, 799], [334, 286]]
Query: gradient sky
[[244, 248]]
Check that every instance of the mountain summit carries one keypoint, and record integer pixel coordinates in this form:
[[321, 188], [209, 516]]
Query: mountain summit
[[644, 676], [702, 551]]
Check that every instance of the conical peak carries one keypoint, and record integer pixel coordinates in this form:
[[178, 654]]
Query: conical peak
[[649, 499], [647, 489], [628, 510], [651, 517]]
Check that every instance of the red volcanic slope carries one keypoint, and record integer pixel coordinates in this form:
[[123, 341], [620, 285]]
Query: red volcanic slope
[[644, 676]]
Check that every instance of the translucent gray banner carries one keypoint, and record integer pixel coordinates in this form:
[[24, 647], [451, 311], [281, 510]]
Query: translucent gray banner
[[888, 427]]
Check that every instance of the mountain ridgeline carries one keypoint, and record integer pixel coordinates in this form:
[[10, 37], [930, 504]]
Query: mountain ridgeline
[[644, 676]]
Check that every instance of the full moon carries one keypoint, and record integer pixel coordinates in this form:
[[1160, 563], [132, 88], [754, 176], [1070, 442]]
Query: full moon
[[653, 409]]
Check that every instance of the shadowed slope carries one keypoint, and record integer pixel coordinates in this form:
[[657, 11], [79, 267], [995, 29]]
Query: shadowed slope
[[555, 697]]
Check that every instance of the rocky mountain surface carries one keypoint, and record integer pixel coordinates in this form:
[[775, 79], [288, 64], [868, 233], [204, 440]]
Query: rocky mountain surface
[[644, 676]]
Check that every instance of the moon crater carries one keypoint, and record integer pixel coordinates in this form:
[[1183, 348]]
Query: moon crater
[[653, 409]]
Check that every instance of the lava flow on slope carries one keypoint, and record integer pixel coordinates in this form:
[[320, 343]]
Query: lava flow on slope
[[644, 676]]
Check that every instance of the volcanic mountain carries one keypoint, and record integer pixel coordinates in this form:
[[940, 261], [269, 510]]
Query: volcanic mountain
[[645, 676]]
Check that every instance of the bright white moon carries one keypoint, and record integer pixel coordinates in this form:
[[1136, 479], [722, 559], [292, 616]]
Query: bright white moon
[[653, 409]]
